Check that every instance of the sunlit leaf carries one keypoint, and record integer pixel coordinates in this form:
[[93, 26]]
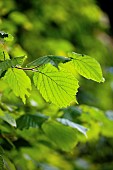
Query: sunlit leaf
[[87, 66], [4, 65], [8, 118], [19, 82], [54, 60], [56, 86], [67, 122], [64, 137], [29, 120]]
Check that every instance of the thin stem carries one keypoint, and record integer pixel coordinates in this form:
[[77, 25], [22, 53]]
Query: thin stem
[[27, 69]]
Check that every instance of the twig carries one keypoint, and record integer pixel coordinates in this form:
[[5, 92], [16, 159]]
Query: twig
[[27, 69]]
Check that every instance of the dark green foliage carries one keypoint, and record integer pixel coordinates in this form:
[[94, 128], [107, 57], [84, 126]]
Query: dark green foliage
[[54, 60], [4, 65], [28, 120]]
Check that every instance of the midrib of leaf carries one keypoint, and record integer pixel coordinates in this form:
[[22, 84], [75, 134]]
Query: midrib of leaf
[[50, 86], [56, 85]]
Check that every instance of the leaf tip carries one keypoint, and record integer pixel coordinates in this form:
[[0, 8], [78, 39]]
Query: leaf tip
[[103, 80]]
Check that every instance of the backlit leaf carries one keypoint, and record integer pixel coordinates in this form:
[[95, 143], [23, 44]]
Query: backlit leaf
[[64, 137], [54, 60], [87, 66], [56, 86], [19, 82]]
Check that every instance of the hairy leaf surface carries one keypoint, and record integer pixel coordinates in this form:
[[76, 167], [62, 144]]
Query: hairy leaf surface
[[64, 137], [87, 66], [56, 86], [54, 60], [19, 82], [4, 65]]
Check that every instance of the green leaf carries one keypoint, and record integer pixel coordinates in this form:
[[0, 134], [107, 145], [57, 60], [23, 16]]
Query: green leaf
[[87, 66], [1, 151], [54, 60], [1, 163], [1, 158], [26, 121], [67, 122], [3, 53], [56, 86], [64, 137], [4, 65], [8, 165], [71, 112], [6, 36], [8, 118], [19, 82]]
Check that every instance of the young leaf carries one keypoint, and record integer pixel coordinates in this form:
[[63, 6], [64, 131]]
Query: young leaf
[[56, 86], [4, 65], [19, 82], [87, 66], [26, 121], [67, 122], [64, 137], [8, 118], [54, 60]]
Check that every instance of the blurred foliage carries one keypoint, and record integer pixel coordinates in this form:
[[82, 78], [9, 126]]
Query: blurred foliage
[[56, 27]]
